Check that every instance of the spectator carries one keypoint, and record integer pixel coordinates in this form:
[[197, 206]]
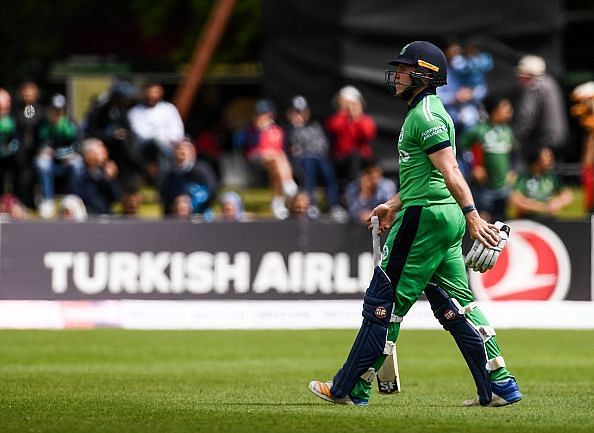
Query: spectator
[[583, 109], [467, 84], [351, 132], [540, 119], [190, 177], [57, 156], [308, 145], [156, 126], [232, 207], [181, 207], [368, 191], [10, 163], [538, 192], [11, 208], [97, 185], [300, 206], [588, 171], [264, 141], [27, 133], [72, 208], [108, 121], [208, 144], [472, 69], [464, 91], [491, 143], [131, 200]]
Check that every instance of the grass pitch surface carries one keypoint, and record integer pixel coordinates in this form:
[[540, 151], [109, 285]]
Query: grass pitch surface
[[256, 381]]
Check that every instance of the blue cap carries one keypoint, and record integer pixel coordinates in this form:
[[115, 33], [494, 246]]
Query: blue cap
[[264, 106]]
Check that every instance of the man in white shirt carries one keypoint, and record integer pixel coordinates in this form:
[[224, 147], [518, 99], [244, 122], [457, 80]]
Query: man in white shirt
[[156, 125]]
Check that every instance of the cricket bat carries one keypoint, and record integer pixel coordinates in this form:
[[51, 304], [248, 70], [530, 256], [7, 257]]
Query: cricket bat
[[388, 377]]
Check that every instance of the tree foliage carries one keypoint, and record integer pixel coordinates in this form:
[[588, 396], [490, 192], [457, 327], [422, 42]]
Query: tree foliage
[[34, 33]]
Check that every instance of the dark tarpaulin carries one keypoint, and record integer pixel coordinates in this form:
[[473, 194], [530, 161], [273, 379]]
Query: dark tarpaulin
[[302, 51], [315, 47]]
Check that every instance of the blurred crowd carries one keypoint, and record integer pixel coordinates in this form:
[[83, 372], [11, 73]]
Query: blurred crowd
[[133, 139], [508, 145]]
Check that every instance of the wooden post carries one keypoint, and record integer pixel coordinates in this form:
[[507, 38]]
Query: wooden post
[[205, 47]]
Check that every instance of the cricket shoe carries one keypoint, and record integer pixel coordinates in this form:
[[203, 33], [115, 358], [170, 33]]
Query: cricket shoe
[[322, 390], [504, 392]]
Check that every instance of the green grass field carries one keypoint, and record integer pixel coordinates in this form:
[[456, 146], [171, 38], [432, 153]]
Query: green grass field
[[256, 381]]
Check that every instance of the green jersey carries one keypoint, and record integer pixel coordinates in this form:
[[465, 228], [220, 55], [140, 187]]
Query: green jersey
[[541, 187], [496, 143], [59, 136], [427, 128], [9, 144]]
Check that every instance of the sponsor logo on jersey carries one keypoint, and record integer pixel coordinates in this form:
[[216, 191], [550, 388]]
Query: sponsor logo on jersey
[[433, 131], [534, 266]]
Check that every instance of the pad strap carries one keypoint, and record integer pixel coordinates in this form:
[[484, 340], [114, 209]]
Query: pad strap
[[370, 375], [464, 310], [495, 363], [395, 319], [486, 332]]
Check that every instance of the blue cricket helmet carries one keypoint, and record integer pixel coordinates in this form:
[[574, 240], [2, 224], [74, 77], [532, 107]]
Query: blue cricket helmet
[[429, 60]]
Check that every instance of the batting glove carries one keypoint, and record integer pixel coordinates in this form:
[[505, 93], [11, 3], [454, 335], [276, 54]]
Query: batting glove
[[481, 258]]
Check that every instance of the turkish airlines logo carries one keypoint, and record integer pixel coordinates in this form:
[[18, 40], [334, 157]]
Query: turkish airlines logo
[[534, 266]]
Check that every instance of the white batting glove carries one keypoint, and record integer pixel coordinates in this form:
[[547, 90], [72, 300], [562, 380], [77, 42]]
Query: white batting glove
[[481, 258]]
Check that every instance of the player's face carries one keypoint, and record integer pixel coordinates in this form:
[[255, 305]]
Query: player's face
[[403, 80]]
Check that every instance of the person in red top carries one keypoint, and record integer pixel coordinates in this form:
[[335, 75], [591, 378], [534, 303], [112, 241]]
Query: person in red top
[[265, 142], [351, 132]]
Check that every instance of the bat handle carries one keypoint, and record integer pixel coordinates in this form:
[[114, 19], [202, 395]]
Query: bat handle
[[375, 241]]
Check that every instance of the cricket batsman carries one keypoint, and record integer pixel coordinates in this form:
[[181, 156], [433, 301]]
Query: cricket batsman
[[423, 250]]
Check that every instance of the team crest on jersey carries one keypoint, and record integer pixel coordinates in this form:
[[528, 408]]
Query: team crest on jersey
[[403, 156], [385, 251]]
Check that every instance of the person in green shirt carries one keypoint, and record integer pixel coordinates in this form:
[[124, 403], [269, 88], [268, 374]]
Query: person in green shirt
[[10, 163], [57, 156], [426, 221], [538, 192], [491, 143]]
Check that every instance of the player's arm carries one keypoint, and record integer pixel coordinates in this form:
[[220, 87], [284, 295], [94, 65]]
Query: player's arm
[[386, 213], [445, 161]]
